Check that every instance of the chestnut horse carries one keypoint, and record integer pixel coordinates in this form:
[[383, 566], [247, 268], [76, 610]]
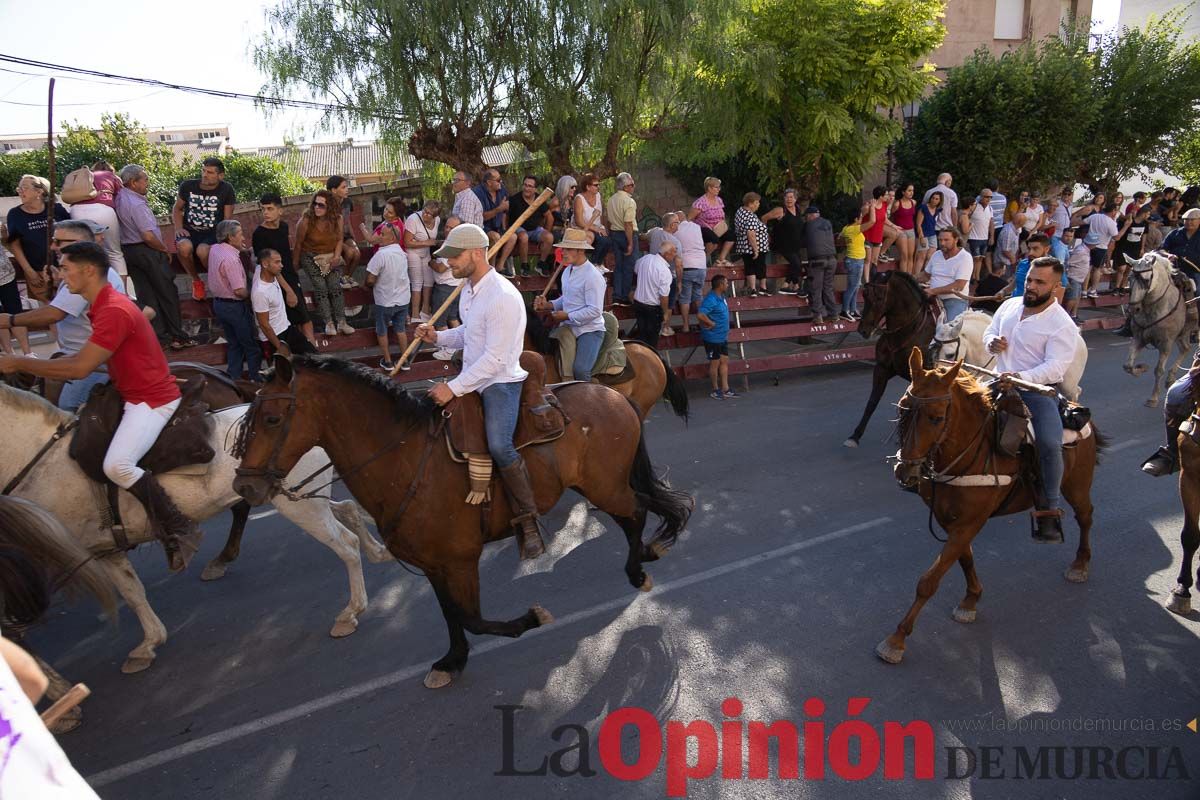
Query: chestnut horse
[[389, 448], [948, 455], [896, 304], [1180, 600], [652, 379]]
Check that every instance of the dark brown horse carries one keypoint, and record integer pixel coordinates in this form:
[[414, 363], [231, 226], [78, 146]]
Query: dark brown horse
[[896, 305], [947, 453], [1180, 600], [653, 378], [388, 447]]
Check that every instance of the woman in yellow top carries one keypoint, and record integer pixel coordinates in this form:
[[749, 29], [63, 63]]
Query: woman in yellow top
[[856, 257]]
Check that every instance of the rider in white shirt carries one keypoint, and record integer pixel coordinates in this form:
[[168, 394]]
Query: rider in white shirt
[[492, 336], [1034, 340]]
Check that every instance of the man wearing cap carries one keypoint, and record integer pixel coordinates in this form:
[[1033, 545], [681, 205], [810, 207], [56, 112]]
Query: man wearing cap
[[581, 305], [1183, 245], [822, 261], [68, 312], [491, 337]]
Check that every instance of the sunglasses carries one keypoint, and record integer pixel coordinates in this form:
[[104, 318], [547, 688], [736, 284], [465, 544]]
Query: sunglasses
[[319, 205]]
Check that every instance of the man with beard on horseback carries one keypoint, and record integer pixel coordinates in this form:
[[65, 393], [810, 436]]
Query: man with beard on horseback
[[491, 336], [123, 338], [1034, 340]]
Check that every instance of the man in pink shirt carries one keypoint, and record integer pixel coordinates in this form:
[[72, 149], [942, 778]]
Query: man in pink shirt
[[227, 285]]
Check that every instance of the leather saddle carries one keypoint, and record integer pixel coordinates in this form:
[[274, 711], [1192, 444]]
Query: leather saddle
[[541, 418], [1014, 429], [183, 442]]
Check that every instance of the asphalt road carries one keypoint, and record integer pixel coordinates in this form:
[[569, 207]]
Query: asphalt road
[[800, 557]]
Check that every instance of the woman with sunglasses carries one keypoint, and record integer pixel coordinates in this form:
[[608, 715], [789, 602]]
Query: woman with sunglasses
[[318, 252], [588, 215]]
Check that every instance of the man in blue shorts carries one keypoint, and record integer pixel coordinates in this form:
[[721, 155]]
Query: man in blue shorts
[[714, 333]]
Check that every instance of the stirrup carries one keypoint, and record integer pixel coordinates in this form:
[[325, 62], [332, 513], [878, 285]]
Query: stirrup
[[1046, 525], [529, 536]]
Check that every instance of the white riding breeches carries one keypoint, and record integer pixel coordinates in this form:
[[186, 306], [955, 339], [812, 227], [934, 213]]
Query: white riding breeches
[[139, 428]]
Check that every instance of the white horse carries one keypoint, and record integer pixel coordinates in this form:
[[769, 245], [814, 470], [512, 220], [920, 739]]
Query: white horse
[[963, 338], [1158, 316], [58, 484]]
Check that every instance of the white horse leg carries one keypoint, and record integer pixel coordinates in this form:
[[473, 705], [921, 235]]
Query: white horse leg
[[134, 593], [1135, 350], [354, 517], [1159, 369], [316, 518]]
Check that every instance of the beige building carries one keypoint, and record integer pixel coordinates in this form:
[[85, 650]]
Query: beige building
[[188, 140], [1001, 25]]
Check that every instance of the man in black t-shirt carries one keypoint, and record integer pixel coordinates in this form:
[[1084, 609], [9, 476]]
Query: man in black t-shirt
[[200, 205], [272, 234], [535, 229]]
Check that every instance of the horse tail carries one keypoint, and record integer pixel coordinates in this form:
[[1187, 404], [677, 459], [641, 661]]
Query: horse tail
[[675, 392], [38, 556], [1102, 442], [673, 507]]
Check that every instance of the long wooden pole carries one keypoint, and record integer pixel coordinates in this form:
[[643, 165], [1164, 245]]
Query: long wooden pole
[[74, 696], [495, 248], [1020, 384]]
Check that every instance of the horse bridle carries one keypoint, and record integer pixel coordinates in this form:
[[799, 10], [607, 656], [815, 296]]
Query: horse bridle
[[270, 470], [917, 318], [1137, 275], [915, 402]]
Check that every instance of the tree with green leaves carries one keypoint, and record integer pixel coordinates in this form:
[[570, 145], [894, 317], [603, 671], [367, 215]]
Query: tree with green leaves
[[1059, 111], [801, 88], [579, 81]]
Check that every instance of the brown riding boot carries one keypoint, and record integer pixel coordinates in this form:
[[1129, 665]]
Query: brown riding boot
[[178, 533], [520, 495]]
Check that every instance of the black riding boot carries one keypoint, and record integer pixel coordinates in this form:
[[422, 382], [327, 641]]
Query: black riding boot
[[178, 533], [524, 505], [1046, 522], [1125, 330], [1166, 459]]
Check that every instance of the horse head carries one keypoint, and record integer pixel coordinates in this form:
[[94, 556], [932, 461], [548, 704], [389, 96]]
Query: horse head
[[1147, 277], [875, 300], [924, 419], [271, 437], [947, 338]]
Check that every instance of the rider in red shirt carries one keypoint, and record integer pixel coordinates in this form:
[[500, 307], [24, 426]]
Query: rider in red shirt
[[122, 337]]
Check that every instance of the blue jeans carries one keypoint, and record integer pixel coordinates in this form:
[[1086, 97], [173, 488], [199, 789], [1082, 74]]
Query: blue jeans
[[240, 336], [75, 393], [600, 247], [501, 404], [1179, 398], [623, 272], [955, 306], [854, 271], [1048, 431], [587, 347]]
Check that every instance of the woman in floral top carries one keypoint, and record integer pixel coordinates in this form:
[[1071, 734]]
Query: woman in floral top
[[752, 241], [708, 211]]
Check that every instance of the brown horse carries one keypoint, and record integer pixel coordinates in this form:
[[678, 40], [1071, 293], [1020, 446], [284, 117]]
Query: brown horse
[[947, 454], [389, 449], [896, 304], [1189, 491], [652, 380]]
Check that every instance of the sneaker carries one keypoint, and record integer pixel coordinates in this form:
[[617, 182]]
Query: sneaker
[[344, 328], [330, 329], [886, 258], [715, 394], [443, 354], [385, 364], [729, 393], [789, 290], [197, 289], [348, 282], [666, 330], [406, 366], [846, 315], [424, 316]]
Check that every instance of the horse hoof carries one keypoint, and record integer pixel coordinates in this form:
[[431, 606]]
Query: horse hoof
[[68, 722], [659, 549], [1152, 403], [964, 615], [342, 628], [1179, 605], [437, 679], [850, 443], [214, 571], [544, 617], [135, 664], [1138, 371], [647, 583], [889, 653], [1076, 574]]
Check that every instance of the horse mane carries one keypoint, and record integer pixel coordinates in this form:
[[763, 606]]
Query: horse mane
[[975, 391], [408, 407], [21, 400]]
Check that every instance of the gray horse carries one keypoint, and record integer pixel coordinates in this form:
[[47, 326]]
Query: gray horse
[[1159, 317]]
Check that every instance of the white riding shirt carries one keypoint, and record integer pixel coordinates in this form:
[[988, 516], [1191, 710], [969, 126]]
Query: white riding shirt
[[492, 334], [1041, 347]]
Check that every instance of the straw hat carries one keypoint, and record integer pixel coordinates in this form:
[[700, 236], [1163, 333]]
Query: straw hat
[[574, 239]]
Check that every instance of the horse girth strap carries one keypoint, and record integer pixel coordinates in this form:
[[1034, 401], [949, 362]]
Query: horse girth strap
[[60, 432], [435, 433]]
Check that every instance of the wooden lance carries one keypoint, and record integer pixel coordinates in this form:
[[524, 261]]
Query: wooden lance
[[74, 696], [1017, 382], [495, 248]]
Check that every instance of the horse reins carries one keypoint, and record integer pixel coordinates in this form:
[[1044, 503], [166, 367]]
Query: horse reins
[[62, 430]]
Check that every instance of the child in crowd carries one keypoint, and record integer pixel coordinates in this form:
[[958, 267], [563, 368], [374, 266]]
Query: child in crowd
[[714, 333], [387, 276]]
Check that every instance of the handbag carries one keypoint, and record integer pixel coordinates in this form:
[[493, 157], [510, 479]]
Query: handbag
[[721, 228], [78, 186]]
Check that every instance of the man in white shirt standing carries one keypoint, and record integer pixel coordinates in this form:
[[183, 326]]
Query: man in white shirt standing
[[652, 297], [1034, 339], [492, 336], [949, 274], [270, 298], [658, 237], [947, 216]]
